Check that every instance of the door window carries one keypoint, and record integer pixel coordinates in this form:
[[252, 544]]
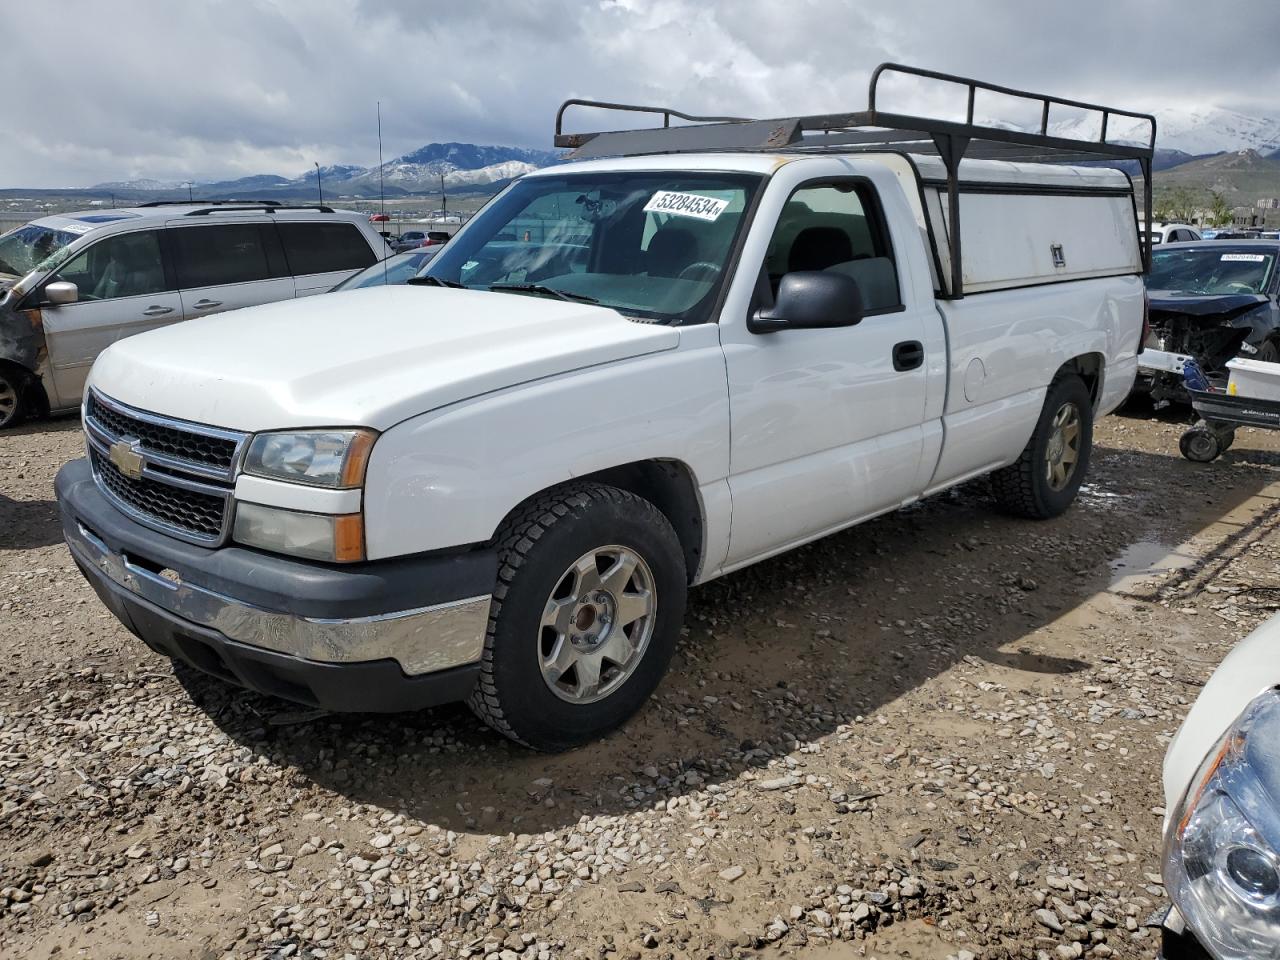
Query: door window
[[835, 226], [324, 247], [126, 265], [218, 255]]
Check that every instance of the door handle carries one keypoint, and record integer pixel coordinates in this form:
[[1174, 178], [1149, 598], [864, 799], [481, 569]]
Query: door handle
[[206, 304], [908, 355], [156, 311]]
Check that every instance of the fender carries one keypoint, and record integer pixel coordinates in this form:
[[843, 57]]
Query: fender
[[449, 477], [22, 339]]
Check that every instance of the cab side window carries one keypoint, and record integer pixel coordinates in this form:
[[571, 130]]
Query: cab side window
[[126, 265], [835, 226]]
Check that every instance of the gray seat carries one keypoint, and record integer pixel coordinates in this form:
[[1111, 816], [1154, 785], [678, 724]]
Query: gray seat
[[877, 281]]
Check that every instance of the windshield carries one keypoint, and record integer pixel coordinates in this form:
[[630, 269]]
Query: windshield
[[650, 245], [26, 248], [395, 269], [1213, 269]]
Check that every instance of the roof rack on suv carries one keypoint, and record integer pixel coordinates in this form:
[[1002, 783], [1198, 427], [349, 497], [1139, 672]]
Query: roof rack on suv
[[877, 129], [270, 206], [187, 203]]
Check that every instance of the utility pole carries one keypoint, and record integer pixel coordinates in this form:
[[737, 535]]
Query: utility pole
[[444, 203], [319, 186], [189, 195]]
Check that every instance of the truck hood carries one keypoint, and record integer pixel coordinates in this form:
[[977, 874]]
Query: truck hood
[[1211, 306], [370, 357], [1249, 669]]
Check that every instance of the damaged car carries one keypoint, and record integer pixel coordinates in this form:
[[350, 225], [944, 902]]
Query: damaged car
[[73, 284], [1209, 302]]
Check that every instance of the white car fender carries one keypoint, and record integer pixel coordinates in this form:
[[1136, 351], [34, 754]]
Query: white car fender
[[1249, 669], [448, 477]]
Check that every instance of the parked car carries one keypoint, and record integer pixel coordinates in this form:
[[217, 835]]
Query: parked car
[[1221, 861], [79, 282], [408, 240], [497, 484], [1209, 301], [397, 268], [411, 239], [1162, 233]]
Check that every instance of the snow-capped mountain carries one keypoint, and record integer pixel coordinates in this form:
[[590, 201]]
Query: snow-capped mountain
[[463, 165], [1195, 131]]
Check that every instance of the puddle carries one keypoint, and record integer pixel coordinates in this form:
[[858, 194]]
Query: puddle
[[1142, 560]]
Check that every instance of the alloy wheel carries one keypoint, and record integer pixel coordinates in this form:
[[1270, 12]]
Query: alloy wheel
[[596, 624]]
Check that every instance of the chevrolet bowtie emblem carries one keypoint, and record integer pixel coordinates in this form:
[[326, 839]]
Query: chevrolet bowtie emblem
[[127, 458]]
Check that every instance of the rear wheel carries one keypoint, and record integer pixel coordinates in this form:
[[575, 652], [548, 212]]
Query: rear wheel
[[585, 617], [1044, 480], [15, 403]]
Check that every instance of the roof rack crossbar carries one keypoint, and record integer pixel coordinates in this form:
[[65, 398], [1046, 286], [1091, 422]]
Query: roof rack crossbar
[[267, 207], [188, 203], [666, 112], [1046, 101]]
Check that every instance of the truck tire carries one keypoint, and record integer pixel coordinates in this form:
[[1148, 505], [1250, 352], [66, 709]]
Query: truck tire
[[15, 395], [1044, 480], [585, 616]]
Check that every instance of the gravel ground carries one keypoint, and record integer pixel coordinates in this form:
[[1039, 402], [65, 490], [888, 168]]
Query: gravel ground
[[936, 735]]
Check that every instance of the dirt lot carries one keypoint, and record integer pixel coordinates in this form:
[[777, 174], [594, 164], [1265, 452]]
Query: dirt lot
[[936, 735]]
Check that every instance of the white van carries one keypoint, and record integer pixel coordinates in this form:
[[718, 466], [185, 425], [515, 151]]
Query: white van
[[78, 282]]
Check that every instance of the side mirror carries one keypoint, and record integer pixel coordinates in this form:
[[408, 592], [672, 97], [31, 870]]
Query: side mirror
[[61, 292], [811, 299]]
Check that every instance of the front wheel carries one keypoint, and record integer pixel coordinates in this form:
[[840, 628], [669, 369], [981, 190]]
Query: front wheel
[[585, 617], [1044, 480], [15, 395]]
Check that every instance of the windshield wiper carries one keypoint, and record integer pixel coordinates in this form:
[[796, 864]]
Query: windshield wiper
[[543, 290], [430, 281]]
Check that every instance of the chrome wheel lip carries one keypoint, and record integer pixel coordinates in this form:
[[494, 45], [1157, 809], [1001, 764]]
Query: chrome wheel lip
[[583, 633], [1062, 452]]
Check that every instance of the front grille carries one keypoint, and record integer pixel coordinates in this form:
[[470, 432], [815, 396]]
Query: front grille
[[199, 513], [211, 451], [187, 469]]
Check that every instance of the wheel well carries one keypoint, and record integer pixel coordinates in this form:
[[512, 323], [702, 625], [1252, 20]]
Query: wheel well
[[1088, 367], [669, 486], [30, 384]]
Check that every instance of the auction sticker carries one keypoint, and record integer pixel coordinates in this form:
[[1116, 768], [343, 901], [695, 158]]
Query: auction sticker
[[686, 205], [1243, 258]]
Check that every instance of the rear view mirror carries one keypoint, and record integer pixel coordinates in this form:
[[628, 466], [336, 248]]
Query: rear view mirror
[[811, 299], [61, 292]]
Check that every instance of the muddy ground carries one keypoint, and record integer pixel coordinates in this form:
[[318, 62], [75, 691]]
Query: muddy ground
[[938, 734]]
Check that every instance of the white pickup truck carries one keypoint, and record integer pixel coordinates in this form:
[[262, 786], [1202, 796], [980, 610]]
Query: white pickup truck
[[623, 378]]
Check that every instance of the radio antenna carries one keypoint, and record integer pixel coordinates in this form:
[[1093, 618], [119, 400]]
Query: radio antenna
[[382, 191]]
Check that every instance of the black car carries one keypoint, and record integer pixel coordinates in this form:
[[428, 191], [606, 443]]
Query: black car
[[1212, 300]]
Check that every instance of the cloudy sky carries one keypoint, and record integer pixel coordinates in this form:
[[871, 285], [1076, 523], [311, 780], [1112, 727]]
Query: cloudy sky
[[208, 89]]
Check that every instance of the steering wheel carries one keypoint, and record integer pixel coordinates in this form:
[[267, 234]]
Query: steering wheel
[[1239, 285], [712, 270]]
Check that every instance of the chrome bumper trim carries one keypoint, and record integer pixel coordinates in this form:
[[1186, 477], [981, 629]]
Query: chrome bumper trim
[[421, 640]]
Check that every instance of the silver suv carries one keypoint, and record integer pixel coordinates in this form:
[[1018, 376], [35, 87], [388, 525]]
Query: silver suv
[[78, 282]]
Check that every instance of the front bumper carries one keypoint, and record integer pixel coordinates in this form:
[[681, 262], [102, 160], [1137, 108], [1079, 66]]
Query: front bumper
[[380, 636]]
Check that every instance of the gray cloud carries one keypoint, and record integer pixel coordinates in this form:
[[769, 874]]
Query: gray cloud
[[206, 89]]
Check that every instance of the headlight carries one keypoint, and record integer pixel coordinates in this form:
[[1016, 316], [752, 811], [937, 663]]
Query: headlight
[[1221, 866], [317, 536], [325, 458]]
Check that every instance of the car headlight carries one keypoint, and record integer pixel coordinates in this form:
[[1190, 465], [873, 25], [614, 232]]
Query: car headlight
[[316, 536], [324, 458], [1221, 862]]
